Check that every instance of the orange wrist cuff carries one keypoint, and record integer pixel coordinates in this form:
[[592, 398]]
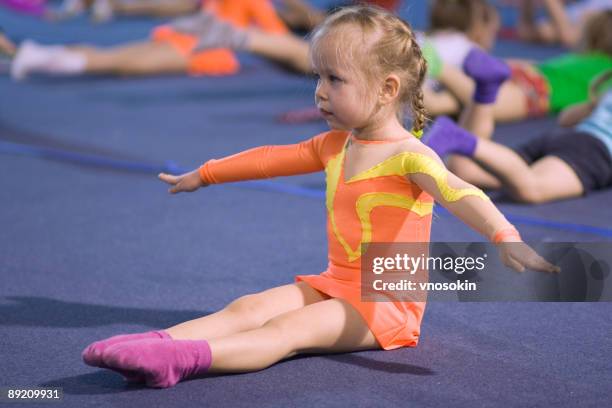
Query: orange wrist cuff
[[205, 175], [505, 233]]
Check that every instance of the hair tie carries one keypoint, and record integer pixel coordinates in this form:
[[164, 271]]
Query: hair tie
[[417, 133]]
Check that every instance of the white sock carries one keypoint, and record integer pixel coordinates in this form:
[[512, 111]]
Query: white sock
[[59, 60]]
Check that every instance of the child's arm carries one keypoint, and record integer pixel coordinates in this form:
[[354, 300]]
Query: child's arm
[[474, 208], [257, 163], [574, 114], [565, 31]]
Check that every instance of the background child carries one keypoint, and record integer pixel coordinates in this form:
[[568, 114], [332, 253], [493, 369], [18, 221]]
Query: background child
[[559, 164], [549, 86], [564, 23], [369, 65], [455, 27], [168, 50]]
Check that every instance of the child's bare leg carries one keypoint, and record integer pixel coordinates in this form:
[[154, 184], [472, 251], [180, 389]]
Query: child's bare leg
[[510, 105], [145, 58], [479, 120], [527, 29], [248, 312], [440, 103], [564, 31], [470, 171], [331, 326], [300, 14], [285, 49], [550, 178], [157, 8]]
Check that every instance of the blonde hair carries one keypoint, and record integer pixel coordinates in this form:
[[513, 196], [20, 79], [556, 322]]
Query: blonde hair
[[387, 46]]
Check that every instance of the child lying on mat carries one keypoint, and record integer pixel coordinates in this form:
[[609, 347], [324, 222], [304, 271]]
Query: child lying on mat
[[563, 163]]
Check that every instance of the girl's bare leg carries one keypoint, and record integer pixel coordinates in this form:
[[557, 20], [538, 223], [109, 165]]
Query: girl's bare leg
[[479, 120], [300, 14], [285, 49], [155, 8], [550, 178], [145, 58], [510, 105], [440, 103], [248, 312], [330, 326]]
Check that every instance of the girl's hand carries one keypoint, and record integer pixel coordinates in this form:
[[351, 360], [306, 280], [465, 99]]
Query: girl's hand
[[599, 86], [187, 182], [519, 255]]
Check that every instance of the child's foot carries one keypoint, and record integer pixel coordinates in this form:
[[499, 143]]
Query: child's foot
[[30, 57], [92, 355], [446, 137], [59, 60], [162, 364], [488, 72]]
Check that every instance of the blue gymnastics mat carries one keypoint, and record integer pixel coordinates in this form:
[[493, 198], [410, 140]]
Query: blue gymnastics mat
[[91, 245]]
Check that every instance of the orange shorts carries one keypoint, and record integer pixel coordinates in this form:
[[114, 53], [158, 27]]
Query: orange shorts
[[535, 87], [219, 61]]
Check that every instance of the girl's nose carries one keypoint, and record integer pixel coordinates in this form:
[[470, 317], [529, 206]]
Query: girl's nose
[[320, 93]]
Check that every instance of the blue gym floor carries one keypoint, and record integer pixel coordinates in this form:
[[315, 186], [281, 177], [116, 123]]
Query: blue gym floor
[[91, 245]]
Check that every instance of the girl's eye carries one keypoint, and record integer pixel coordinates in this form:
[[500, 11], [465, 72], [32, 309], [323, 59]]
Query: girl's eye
[[334, 78]]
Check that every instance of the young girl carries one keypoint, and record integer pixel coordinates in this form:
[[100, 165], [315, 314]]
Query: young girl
[[455, 27], [549, 86], [381, 184], [563, 163]]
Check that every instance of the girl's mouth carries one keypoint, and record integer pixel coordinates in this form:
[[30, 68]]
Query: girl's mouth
[[325, 113]]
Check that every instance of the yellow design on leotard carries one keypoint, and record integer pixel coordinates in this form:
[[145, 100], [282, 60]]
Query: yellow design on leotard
[[410, 163], [367, 202], [398, 165]]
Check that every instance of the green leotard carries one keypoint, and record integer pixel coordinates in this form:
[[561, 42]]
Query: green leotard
[[569, 77]]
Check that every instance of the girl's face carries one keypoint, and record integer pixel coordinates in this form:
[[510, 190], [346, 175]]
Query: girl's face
[[341, 94], [484, 33]]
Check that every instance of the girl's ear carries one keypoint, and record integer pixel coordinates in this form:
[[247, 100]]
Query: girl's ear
[[390, 89]]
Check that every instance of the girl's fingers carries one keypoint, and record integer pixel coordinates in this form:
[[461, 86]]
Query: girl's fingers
[[514, 264], [168, 178], [540, 264]]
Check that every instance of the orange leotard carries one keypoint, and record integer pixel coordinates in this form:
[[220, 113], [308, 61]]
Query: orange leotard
[[379, 204], [240, 13]]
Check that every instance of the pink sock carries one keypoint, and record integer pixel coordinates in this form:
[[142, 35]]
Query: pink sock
[[92, 355], [161, 363]]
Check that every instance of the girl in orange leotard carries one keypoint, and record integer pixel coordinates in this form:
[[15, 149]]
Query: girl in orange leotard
[[381, 186]]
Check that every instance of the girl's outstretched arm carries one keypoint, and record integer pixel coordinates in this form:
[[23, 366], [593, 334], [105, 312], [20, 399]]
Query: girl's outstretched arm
[[474, 208], [257, 163]]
